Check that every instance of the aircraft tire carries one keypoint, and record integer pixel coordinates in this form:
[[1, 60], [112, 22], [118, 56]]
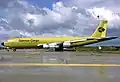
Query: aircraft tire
[[14, 50], [58, 49]]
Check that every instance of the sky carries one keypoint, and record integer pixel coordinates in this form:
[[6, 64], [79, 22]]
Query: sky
[[43, 3], [58, 18]]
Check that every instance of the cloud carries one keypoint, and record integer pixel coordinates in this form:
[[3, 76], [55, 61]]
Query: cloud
[[92, 3], [60, 17], [105, 13]]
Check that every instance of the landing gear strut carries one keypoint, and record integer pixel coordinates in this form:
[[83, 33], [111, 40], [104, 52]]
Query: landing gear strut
[[7, 50], [59, 49]]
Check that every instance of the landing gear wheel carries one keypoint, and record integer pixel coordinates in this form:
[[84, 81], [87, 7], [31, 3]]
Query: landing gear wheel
[[14, 49], [59, 49], [7, 50]]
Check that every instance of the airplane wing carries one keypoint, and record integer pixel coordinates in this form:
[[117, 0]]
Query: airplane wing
[[66, 44], [60, 44]]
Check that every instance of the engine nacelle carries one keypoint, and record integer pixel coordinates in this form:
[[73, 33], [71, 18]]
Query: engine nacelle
[[45, 46], [52, 45], [66, 44]]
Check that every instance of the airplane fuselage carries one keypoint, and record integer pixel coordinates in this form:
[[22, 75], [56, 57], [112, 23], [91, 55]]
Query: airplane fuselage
[[33, 42]]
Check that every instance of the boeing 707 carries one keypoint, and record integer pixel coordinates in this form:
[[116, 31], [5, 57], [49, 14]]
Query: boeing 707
[[59, 43]]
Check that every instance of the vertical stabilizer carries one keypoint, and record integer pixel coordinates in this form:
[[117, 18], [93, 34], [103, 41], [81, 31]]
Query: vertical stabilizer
[[101, 29]]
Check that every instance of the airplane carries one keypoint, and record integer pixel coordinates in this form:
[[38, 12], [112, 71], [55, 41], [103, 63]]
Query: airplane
[[59, 43]]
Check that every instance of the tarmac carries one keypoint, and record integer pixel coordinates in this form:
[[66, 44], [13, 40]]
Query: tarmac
[[40, 66]]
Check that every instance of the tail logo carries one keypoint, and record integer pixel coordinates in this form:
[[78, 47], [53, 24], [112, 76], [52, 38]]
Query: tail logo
[[101, 29]]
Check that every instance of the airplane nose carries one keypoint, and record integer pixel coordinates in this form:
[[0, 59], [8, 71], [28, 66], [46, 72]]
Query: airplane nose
[[2, 43]]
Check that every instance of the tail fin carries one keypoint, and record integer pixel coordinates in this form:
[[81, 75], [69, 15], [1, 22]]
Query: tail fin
[[101, 29]]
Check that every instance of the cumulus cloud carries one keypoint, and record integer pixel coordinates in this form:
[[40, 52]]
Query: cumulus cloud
[[104, 13], [59, 18], [93, 3], [22, 18]]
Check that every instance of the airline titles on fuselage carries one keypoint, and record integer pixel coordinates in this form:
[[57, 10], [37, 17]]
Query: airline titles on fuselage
[[29, 40]]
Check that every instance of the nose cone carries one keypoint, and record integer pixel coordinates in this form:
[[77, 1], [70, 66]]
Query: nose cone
[[2, 43]]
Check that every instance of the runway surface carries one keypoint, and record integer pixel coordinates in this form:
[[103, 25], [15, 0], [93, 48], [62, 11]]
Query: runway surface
[[29, 66]]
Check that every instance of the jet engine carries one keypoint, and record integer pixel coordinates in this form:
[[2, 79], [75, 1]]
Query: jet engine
[[45, 46], [52, 45], [66, 44]]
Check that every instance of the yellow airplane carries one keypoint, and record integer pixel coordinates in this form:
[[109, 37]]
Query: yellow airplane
[[59, 43]]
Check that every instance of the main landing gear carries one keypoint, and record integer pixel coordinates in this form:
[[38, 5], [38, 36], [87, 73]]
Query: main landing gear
[[14, 50]]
